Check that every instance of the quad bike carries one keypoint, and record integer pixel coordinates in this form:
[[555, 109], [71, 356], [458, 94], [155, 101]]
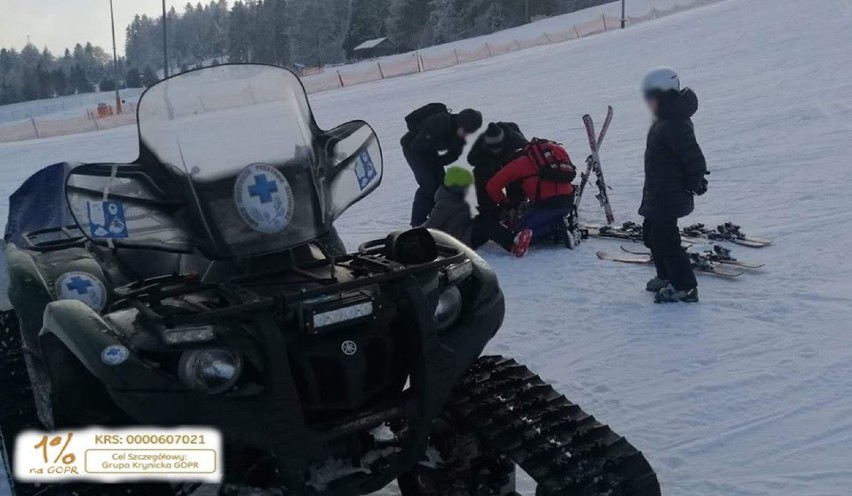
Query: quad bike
[[204, 284]]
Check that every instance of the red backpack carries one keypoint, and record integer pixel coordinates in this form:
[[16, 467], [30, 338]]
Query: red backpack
[[551, 159]]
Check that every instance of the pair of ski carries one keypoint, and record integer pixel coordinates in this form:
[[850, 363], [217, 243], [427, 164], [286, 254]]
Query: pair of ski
[[717, 261], [699, 264], [576, 232], [593, 166], [728, 231], [691, 235]]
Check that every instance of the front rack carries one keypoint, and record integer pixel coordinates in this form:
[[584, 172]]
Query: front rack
[[376, 268]]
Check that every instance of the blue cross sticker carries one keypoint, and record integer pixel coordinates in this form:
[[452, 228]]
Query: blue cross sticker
[[80, 285], [263, 188]]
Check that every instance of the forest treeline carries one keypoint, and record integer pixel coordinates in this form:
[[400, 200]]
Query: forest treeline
[[292, 33]]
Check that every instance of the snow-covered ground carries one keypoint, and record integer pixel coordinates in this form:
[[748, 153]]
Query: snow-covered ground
[[748, 392]]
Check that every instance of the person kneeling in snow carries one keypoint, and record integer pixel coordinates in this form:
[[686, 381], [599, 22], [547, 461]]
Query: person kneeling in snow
[[544, 170], [674, 175], [451, 214], [495, 148]]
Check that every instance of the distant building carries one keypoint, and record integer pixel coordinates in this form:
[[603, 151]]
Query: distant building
[[375, 48]]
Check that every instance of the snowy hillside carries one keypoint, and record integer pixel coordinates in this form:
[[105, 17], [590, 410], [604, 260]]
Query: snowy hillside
[[748, 392], [560, 23], [73, 106]]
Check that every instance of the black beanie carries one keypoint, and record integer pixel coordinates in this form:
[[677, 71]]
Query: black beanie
[[470, 120], [494, 135]]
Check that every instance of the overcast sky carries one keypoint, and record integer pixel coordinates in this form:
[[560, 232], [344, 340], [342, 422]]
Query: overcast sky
[[58, 24]]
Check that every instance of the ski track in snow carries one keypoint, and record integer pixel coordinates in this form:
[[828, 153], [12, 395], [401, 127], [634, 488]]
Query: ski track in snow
[[748, 392]]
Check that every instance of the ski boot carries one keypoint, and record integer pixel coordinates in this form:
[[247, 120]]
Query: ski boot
[[671, 295], [720, 254], [522, 243], [630, 226], [571, 234], [694, 231], [729, 230], [656, 284]]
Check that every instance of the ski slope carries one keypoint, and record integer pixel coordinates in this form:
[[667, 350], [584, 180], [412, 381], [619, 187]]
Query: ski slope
[[748, 392]]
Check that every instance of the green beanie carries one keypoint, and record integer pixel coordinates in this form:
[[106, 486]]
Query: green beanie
[[458, 177]]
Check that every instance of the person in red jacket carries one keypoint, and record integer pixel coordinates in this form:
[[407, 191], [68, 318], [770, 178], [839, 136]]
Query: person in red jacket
[[545, 172]]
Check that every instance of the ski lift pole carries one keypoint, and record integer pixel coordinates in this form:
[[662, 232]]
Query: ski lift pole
[[165, 45], [114, 62]]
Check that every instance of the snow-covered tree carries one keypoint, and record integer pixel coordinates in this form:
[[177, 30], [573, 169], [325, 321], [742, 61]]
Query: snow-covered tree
[[409, 23], [368, 22]]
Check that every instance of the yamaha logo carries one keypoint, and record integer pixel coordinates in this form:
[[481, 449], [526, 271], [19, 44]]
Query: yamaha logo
[[349, 348]]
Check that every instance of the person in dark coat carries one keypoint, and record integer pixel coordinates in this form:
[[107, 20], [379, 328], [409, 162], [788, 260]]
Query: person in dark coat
[[435, 143], [495, 148], [674, 175], [452, 215]]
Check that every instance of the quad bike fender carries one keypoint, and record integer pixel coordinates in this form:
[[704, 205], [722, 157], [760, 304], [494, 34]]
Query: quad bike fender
[[28, 293], [33, 278], [82, 332], [484, 311], [489, 285]]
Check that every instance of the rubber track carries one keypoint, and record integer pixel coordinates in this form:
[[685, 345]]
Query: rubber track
[[564, 449]]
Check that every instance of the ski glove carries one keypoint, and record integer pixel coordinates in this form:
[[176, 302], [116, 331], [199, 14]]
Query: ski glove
[[700, 188]]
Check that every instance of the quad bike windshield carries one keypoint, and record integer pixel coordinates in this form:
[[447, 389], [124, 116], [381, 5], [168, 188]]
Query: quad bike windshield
[[231, 162]]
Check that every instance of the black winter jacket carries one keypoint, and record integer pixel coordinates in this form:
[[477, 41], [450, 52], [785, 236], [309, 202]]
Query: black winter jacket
[[435, 142], [485, 164], [674, 163]]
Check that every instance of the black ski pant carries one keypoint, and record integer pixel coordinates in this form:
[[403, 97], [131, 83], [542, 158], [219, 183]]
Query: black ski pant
[[429, 177], [485, 228], [662, 236]]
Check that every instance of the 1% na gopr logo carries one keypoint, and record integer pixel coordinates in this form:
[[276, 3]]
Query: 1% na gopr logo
[[56, 455]]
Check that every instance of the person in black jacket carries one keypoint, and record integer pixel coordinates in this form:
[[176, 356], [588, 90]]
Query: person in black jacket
[[433, 144], [674, 175], [495, 148]]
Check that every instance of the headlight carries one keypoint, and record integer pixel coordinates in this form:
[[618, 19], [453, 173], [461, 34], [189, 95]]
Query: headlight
[[210, 370], [449, 308]]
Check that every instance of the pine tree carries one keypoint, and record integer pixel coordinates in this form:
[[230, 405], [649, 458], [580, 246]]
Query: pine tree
[[79, 81], [446, 20], [316, 35], [149, 77], [45, 82], [239, 39], [60, 82], [408, 25], [106, 85], [133, 79], [368, 22], [277, 15]]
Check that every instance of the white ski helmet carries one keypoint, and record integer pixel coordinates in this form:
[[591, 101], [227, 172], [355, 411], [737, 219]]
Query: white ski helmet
[[661, 80]]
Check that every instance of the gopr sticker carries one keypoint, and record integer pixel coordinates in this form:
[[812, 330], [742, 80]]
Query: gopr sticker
[[365, 170], [106, 219], [264, 198], [115, 354], [84, 287]]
